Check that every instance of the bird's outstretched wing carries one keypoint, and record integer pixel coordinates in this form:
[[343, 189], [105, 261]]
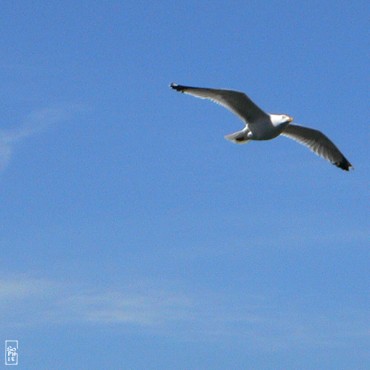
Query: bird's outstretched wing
[[235, 101], [318, 143]]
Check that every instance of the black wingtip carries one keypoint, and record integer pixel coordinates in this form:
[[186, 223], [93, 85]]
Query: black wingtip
[[177, 87], [344, 165]]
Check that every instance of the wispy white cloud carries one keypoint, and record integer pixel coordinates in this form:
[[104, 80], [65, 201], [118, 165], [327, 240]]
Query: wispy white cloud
[[255, 321], [37, 121], [50, 301], [143, 308]]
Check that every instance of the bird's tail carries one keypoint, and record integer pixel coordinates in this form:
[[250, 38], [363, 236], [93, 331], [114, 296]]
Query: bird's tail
[[239, 137]]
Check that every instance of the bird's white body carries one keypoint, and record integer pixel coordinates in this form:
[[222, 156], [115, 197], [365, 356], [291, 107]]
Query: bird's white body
[[267, 129], [260, 125]]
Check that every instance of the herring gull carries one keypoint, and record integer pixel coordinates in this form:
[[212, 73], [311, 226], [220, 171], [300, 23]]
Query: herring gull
[[260, 125]]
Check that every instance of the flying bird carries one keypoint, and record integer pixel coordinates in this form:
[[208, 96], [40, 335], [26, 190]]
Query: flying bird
[[259, 125]]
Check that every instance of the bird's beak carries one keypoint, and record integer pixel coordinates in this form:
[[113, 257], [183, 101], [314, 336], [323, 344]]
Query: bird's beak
[[291, 119]]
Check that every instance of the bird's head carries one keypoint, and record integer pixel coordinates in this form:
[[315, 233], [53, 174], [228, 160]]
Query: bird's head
[[280, 119]]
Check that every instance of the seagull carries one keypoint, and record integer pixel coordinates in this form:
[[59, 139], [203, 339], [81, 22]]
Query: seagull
[[259, 125]]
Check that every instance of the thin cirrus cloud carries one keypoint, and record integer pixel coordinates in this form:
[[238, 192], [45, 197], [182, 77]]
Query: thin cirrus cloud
[[159, 311], [60, 303], [35, 122]]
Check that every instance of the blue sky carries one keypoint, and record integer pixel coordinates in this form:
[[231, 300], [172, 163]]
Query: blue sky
[[133, 235]]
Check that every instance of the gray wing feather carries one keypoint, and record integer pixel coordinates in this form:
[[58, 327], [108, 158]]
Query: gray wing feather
[[235, 101], [318, 143]]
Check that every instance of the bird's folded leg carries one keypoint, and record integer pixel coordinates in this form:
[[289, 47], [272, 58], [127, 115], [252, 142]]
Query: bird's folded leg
[[239, 137]]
